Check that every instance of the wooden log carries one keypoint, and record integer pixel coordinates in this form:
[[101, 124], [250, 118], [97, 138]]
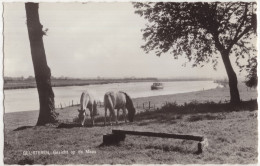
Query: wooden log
[[162, 135], [202, 145], [120, 136], [110, 139]]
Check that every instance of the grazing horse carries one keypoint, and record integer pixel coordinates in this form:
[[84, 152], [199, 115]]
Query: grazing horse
[[118, 100], [87, 101]]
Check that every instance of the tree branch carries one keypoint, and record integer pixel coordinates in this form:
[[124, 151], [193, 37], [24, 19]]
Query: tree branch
[[236, 37], [225, 11]]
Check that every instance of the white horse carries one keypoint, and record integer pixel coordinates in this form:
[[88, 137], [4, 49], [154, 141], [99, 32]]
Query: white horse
[[118, 100], [87, 101]]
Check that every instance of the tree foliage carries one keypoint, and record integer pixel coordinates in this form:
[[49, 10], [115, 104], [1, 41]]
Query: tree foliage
[[251, 78], [200, 30]]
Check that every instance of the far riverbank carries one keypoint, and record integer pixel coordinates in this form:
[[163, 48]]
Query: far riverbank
[[26, 84]]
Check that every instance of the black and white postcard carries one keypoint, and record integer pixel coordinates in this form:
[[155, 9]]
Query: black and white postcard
[[160, 82]]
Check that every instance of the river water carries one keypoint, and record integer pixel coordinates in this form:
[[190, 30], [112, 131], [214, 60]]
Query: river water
[[27, 99]]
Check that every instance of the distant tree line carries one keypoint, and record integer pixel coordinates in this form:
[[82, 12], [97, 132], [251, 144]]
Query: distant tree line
[[18, 78], [22, 78]]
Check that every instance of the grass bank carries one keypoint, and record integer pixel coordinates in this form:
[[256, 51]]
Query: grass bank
[[212, 95], [231, 132]]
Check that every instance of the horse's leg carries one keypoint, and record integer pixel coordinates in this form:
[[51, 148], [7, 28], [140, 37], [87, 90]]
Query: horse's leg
[[124, 112], [117, 116], [105, 115], [85, 116], [92, 116], [110, 116]]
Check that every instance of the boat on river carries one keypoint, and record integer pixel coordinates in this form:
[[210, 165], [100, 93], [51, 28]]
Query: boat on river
[[156, 86]]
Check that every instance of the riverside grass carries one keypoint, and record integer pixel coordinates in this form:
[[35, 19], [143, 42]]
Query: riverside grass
[[232, 134]]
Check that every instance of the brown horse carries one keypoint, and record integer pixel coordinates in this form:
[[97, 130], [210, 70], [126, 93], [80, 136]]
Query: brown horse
[[87, 101], [118, 100]]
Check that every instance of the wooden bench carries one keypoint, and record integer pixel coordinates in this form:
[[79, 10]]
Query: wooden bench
[[119, 135]]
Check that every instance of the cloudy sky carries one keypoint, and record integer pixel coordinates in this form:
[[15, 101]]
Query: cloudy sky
[[90, 40]]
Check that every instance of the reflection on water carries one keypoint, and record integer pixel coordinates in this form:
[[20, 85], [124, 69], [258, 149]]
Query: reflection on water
[[27, 99]]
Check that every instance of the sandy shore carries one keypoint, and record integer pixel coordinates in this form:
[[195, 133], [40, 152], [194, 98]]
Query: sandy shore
[[29, 118]]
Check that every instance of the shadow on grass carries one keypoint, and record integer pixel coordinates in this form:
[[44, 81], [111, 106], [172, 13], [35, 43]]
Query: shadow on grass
[[69, 125], [108, 145], [26, 161], [7, 146], [195, 118], [87, 125], [172, 112], [99, 121], [169, 148], [23, 128]]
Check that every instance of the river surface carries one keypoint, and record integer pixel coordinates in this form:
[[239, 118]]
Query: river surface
[[27, 99]]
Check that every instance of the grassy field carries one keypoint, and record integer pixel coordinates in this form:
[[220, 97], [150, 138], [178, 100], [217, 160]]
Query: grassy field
[[231, 132]]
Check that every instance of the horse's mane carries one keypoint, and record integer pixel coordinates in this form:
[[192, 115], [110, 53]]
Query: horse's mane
[[129, 101], [130, 107]]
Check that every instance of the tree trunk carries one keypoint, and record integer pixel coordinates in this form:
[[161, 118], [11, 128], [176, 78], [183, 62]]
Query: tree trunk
[[41, 70], [234, 93]]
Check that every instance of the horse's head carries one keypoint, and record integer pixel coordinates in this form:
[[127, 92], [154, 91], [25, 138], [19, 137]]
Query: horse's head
[[95, 110], [130, 107], [131, 114], [82, 116]]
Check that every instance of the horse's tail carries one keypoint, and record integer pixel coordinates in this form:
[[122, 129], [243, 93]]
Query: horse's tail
[[130, 107], [108, 103]]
